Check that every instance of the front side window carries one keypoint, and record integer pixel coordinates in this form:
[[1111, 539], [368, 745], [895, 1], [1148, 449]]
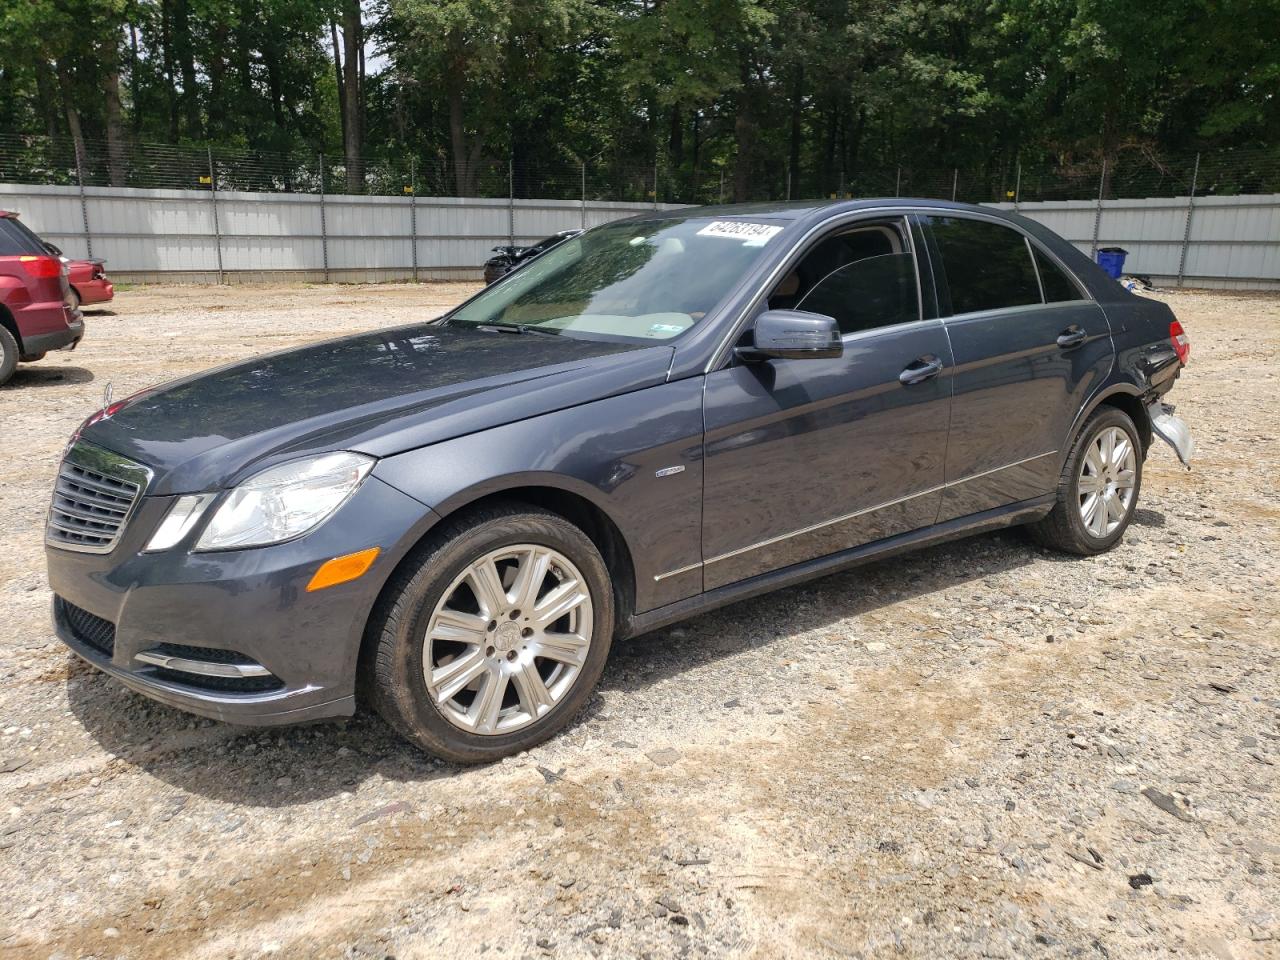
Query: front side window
[[987, 266], [645, 280], [863, 277]]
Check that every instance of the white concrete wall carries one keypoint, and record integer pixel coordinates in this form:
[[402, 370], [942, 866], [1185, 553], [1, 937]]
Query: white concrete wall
[[1234, 242], [169, 234]]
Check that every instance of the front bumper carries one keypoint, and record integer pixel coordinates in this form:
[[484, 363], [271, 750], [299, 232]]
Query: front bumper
[[251, 604]]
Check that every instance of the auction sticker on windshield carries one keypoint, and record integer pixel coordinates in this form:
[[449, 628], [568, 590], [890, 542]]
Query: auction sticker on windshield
[[755, 234]]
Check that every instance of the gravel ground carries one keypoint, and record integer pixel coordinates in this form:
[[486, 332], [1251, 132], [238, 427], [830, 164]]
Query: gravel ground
[[982, 749]]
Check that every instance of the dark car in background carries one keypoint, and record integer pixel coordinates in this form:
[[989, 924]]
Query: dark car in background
[[452, 521], [37, 310], [507, 258]]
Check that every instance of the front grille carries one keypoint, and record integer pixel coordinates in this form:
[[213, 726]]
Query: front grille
[[92, 631], [93, 497]]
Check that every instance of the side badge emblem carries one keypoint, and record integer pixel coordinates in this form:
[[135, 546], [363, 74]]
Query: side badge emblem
[[669, 471]]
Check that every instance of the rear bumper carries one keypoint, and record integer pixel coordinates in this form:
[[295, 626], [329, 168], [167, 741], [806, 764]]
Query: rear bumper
[[95, 291], [66, 338]]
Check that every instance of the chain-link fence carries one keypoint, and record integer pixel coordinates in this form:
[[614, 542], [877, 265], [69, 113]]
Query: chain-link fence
[[1133, 173]]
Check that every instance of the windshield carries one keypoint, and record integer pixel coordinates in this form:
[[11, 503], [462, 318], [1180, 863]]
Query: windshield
[[636, 280]]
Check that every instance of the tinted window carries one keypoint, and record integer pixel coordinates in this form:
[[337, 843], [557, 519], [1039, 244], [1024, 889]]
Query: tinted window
[[17, 240], [987, 266], [873, 292], [864, 278], [1057, 287]]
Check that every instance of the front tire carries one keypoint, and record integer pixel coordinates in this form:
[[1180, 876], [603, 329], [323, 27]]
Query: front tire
[[1098, 487], [492, 637]]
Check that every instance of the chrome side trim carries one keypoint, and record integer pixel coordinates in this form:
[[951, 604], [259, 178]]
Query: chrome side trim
[[202, 667], [848, 516], [1007, 466], [679, 570]]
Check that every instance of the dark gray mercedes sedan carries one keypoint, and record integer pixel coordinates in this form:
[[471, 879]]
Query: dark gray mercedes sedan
[[452, 521]]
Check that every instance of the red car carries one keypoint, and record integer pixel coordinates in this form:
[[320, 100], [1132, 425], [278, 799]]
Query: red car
[[38, 312], [89, 283]]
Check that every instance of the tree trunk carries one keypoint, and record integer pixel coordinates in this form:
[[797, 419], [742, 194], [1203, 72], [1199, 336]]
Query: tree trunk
[[69, 100], [116, 168], [170, 86], [744, 135], [797, 130], [271, 60], [337, 71], [353, 134], [48, 96], [455, 78], [183, 51], [677, 138], [135, 114]]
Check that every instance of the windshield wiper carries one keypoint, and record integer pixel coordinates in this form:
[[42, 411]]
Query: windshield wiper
[[515, 328]]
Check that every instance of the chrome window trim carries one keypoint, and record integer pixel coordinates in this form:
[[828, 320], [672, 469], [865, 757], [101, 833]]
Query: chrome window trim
[[1035, 267], [722, 352], [813, 527], [1085, 295]]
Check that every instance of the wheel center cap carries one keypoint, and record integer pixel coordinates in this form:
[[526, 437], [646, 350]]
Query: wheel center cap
[[507, 637]]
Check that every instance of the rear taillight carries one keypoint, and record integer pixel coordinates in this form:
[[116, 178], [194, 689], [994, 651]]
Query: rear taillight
[[1181, 343], [41, 268]]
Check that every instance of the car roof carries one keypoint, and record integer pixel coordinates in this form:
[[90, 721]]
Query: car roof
[[9, 213], [803, 209]]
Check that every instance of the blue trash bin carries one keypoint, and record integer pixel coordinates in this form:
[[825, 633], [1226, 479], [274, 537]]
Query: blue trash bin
[[1111, 259]]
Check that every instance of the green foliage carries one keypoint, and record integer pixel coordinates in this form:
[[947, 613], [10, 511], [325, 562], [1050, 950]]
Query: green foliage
[[754, 94]]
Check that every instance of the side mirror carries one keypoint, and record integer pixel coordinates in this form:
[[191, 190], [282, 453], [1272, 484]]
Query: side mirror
[[793, 335]]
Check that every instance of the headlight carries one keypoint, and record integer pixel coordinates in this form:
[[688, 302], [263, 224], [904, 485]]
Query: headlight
[[285, 501]]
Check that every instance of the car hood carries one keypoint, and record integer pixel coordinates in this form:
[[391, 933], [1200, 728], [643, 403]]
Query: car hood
[[378, 393]]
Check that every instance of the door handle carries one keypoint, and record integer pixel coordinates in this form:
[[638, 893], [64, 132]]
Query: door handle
[[1073, 336], [920, 370]]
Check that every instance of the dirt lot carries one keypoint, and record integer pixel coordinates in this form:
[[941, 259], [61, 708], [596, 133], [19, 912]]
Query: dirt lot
[[979, 750]]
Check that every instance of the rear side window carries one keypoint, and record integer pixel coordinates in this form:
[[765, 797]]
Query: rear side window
[[987, 266], [16, 240], [1057, 287]]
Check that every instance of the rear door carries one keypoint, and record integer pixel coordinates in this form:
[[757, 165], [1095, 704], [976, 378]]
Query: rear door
[[805, 458], [1030, 346]]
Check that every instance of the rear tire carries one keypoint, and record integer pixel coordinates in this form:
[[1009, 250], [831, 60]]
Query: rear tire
[[471, 673], [8, 355], [1098, 487]]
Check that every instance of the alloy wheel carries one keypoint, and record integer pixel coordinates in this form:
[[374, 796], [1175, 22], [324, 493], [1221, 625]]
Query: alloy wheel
[[1108, 476], [508, 638]]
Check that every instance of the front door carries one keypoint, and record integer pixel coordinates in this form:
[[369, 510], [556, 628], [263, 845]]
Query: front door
[[1029, 348], [806, 458]]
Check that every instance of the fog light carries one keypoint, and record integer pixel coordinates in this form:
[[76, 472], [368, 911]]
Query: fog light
[[343, 569]]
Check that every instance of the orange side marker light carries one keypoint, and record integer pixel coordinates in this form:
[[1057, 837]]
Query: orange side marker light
[[343, 569]]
